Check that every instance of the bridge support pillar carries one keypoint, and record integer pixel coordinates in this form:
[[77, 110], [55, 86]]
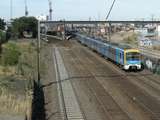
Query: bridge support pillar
[[72, 27]]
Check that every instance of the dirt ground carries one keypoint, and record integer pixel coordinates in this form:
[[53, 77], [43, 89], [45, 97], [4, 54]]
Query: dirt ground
[[48, 79]]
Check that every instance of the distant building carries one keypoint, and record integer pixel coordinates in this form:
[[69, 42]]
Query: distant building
[[41, 18], [147, 31], [151, 31], [145, 42]]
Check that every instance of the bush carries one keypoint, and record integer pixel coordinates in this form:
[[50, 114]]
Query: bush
[[2, 24], [2, 36], [8, 33], [10, 54]]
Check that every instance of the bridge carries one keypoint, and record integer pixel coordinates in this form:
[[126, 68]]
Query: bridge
[[100, 22]]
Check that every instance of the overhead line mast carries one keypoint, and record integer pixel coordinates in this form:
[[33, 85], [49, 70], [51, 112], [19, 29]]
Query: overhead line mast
[[26, 8], [50, 10], [110, 29], [11, 9], [110, 9]]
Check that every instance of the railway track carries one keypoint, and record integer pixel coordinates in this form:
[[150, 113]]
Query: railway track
[[69, 105], [88, 67], [111, 109], [150, 105], [84, 95], [149, 82], [151, 53], [101, 90]]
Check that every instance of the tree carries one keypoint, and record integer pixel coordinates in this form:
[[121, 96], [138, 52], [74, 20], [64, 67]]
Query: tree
[[2, 24], [24, 24], [2, 36], [8, 33]]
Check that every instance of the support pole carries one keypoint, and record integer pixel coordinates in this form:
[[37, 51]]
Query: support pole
[[38, 54], [72, 26], [11, 10], [46, 33], [109, 32], [64, 31]]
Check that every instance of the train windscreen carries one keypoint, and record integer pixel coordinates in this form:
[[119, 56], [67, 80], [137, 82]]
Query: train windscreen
[[133, 56]]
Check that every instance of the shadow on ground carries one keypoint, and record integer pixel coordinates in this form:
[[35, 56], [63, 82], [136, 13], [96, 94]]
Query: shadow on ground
[[38, 104]]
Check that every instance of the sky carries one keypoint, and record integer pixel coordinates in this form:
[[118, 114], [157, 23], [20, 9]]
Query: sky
[[85, 9]]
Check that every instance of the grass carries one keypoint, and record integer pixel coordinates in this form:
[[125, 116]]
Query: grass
[[16, 82], [6, 70], [15, 96], [10, 104]]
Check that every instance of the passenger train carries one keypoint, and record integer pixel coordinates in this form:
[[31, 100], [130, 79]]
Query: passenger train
[[123, 55]]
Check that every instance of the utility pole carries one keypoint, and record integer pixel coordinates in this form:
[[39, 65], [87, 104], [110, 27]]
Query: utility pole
[[110, 29], [11, 9], [152, 18], [108, 17], [26, 8], [64, 32], [110, 9], [50, 10], [38, 54]]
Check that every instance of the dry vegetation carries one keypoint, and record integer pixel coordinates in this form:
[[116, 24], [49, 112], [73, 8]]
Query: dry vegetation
[[132, 39], [156, 48], [16, 81], [10, 104]]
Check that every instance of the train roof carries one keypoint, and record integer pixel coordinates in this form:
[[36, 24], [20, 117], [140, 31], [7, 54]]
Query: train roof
[[121, 46]]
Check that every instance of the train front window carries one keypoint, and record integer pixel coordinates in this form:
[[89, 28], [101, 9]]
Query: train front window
[[133, 56]]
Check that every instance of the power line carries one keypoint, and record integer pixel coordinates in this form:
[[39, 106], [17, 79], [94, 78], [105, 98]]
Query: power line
[[110, 9]]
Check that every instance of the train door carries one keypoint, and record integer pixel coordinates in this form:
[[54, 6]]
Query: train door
[[121, 56], [118, 56]]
